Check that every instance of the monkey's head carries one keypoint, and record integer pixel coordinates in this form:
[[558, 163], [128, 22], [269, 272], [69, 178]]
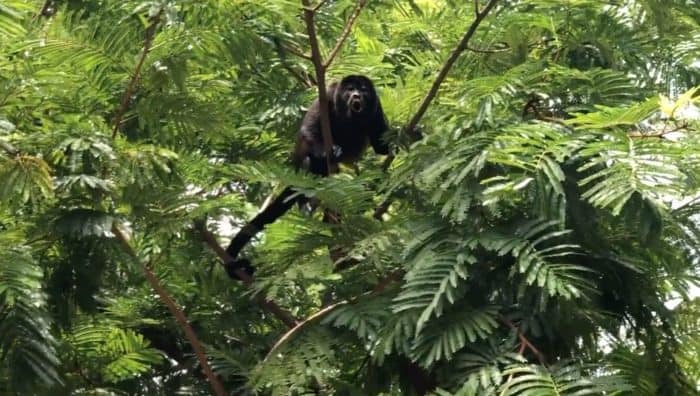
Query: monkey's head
[[355, 96]]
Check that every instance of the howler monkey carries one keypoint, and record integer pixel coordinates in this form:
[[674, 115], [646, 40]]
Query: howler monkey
[[357, 119]]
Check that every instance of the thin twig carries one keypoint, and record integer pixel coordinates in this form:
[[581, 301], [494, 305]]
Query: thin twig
[[392, 277], [411, 126], [296, 52], [287, 318], [176, 312], [448, 65], [660, 135], [488, 50], [301, 325], [319, 5], [346, 32], [126, 97], [281, 50]]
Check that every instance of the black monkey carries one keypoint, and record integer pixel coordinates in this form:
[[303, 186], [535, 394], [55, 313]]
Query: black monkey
[[357, 119]]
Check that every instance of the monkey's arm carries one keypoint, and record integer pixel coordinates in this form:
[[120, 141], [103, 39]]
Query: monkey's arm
[[269, 215]]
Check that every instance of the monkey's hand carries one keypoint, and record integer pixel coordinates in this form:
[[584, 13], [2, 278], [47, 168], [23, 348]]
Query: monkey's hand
[[240, 264], [337, 152]]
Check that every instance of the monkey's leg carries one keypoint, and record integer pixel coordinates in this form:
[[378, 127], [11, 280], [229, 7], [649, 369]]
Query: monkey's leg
[[272, 212]]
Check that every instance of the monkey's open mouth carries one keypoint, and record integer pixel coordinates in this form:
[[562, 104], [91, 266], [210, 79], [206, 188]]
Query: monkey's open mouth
[[356, 106]]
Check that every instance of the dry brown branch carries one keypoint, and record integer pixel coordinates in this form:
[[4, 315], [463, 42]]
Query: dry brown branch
[[176, 312], [524, 342], [126, 97], [287, 318], [346, 32]]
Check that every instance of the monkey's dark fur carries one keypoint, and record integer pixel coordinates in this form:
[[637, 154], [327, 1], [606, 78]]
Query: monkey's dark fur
[[357, 119]]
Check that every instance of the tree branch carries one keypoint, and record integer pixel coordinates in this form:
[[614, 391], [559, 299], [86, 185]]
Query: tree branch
[[488, 50], [281, 50], [411, 126], [346, 32], [287, 318], [126, 97], [319, 5], [381, 285], [320, 82], [176, 312], [524, 342], [448, 65], [296, 52]]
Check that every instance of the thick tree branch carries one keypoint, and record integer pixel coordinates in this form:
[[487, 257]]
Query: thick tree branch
[[287, 318], [320, 81], [126, 97], [346, 32], [176, 312]]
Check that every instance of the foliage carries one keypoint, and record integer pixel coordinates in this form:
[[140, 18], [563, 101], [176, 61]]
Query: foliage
[[535, 239]]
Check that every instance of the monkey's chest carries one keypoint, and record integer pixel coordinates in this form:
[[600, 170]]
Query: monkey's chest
[[352, 141]]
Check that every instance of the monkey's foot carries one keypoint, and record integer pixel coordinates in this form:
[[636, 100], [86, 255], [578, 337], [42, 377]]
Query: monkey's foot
[[240, 264]]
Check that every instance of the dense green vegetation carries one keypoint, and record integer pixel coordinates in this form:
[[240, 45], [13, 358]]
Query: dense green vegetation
[[540, 239]]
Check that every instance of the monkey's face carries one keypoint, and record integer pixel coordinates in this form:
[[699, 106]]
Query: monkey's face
[[355, 95]]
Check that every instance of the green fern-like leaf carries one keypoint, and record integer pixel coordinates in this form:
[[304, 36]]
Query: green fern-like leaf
[[26, 340], [433, 284], [625, 166], [560, 379], [442, 338], [124, 353]]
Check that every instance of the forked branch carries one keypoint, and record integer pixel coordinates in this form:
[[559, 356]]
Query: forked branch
[[346, 32]]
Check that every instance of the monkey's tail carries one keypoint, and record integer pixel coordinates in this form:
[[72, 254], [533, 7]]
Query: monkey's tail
[[268, 215]]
